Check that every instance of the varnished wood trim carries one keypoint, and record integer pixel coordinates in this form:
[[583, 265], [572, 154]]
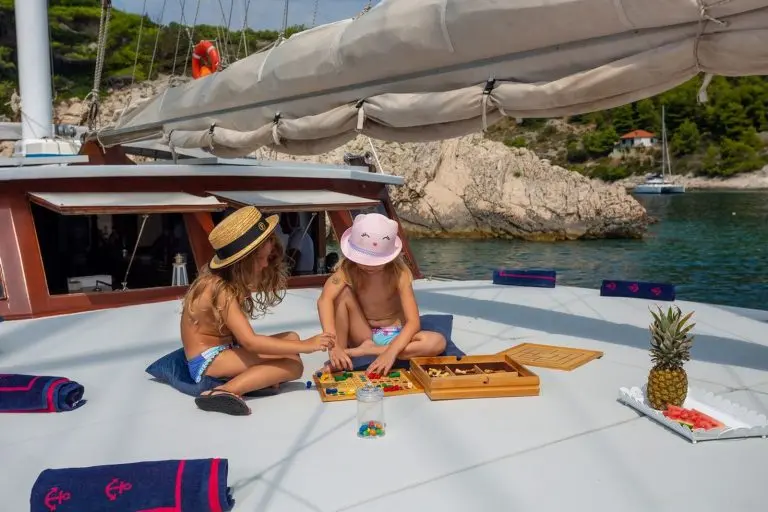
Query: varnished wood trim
[[98, 155], [314, 281], [199, 226], [340, 221]]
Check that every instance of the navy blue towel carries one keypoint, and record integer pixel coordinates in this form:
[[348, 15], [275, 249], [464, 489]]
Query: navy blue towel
[[198, 485], [35, 393], [516, 277], [638, 290]]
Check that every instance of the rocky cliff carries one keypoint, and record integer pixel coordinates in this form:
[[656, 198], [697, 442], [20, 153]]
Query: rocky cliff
[[475, 187], [467, 187]]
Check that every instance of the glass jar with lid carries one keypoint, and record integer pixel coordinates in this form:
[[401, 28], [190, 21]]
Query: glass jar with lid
[[370, 412]]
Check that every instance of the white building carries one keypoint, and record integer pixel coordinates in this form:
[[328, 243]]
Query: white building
[[637, 138]]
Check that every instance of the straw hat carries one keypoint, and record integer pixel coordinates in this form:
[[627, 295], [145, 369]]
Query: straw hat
[[239, 234]]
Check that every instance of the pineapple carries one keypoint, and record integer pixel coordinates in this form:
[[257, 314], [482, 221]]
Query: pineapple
[[670, 348]]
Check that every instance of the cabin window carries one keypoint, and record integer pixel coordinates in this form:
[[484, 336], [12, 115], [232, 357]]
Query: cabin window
[[303, 226], [95, 243]]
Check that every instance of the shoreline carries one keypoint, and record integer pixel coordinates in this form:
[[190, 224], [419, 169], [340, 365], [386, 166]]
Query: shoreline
[[755, 180]]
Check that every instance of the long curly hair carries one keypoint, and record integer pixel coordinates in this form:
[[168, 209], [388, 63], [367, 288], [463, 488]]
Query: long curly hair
[[254, 291]]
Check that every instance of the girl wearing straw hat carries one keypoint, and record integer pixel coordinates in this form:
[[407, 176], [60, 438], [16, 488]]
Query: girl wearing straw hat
[[369, 304], [245, 278]]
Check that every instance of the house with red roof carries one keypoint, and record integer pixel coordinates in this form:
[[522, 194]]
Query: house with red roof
[[637, 138]]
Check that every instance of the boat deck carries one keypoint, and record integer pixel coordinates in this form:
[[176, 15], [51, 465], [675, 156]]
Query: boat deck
[[572, 448]]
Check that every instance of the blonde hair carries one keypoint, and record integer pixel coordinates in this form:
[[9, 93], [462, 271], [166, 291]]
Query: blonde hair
[[254, 291], [354, 277]]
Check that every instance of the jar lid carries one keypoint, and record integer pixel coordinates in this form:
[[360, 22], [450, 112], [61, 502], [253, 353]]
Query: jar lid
[[369, 393]]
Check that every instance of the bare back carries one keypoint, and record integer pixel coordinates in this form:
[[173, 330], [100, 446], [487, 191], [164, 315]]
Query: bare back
[[199, 332]]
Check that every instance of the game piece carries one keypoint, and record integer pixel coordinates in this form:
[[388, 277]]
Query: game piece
[[309, 384], [473, 377], [346, 388]]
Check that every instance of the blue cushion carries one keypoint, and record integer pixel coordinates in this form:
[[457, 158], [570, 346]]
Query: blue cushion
[[434, 323], [172, 369]]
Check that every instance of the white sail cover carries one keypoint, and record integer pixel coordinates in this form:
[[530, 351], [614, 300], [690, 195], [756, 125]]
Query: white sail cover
[[421, 70]]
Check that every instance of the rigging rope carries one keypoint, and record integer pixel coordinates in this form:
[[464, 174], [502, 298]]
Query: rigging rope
[[157, 39], [314, 14], [243, 39], [281, 35], [93, 97], [191, 39], [178, 36]]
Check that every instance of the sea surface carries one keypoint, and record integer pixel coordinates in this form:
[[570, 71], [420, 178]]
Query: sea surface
[[713, 245]]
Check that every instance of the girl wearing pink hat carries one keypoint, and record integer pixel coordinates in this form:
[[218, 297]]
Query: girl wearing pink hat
[[369, 304]]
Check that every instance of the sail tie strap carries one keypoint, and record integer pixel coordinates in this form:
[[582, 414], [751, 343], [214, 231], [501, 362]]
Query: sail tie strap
[[704, 18], [489, 85]]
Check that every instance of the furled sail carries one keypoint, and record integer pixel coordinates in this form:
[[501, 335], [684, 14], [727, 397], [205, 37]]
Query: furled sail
[[421, 70]]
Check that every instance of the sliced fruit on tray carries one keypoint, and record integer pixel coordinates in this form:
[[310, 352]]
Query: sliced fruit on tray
[[692, 418]]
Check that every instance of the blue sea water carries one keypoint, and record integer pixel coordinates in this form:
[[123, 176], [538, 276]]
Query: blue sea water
[[713, 245]]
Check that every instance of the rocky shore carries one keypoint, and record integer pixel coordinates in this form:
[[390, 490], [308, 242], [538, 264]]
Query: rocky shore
[[472, 187]]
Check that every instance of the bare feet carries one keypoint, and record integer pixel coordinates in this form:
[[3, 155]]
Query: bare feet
[[366, 348]]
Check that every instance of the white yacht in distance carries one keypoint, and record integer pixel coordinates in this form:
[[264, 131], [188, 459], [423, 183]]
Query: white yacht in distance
[[658, 183]]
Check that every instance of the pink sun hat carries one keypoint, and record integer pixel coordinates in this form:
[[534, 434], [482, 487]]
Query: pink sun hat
[[372, 240]]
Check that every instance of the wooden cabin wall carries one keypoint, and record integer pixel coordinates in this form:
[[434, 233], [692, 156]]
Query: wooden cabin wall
[[22, 264]]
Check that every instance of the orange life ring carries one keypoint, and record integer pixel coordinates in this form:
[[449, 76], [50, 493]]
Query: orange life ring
[[205, 59]]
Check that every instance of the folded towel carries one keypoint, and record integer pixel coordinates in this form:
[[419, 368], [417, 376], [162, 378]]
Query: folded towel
[[35, 393], [158, 486], [517, 277], [638, 290]]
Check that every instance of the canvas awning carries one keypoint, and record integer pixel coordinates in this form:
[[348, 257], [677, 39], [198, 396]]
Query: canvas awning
[[93, 203], [295, 200], [420, 70]]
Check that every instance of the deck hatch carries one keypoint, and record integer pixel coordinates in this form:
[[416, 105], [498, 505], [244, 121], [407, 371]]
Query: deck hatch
[[90, 203], [295, 200]]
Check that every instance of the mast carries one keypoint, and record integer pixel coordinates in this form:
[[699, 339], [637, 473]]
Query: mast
[[33, 60], [34, 65]]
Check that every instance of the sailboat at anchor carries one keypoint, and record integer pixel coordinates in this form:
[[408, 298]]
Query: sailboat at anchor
[[658, 183]]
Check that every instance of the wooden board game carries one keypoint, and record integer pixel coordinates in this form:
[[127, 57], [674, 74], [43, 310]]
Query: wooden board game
[[551, 356], [346, 384], [445, 378]]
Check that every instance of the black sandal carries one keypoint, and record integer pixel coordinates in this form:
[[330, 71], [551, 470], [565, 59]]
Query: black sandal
[[219, 400]]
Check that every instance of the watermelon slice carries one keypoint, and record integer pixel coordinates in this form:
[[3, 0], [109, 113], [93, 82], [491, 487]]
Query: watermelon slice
[[692, 418]]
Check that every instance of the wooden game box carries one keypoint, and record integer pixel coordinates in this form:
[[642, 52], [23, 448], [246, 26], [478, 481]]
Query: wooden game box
[[488, 376]]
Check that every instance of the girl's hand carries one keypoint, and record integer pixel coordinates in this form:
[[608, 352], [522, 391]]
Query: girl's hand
[[383, 364], [340, 360], [324, 341]]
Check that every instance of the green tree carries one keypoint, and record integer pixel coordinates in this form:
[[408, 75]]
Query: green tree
[[623, 119], [601, 142], [648, 116], [686, 139]]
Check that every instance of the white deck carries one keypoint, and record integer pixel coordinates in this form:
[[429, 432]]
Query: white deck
[[572, 448]]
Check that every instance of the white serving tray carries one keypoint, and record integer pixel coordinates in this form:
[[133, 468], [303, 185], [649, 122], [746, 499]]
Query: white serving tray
[[740, 422]]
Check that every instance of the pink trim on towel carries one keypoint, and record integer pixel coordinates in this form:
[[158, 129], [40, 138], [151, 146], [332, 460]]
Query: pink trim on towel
[[213, 487]]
